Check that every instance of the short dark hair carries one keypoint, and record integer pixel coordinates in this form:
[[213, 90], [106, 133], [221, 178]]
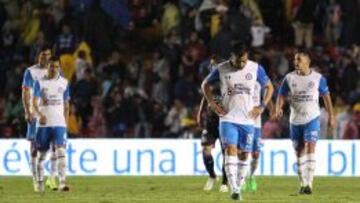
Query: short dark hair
[[304, 52], [44, 48], [239, 49], [54, 58]]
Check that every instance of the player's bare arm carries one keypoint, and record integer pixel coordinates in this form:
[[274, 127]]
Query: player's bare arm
[[257, 110], [37, 112], [271, 109], [329, 108], [201, 109], [26, 103], [215, 106], [280, 101]]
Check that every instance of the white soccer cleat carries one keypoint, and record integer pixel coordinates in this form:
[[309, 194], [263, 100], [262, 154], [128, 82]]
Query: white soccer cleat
[[224, 188], [40, 187], [209, 184]]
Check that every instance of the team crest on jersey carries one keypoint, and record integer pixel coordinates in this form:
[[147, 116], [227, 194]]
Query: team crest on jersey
[[311, 84], [248, 76]]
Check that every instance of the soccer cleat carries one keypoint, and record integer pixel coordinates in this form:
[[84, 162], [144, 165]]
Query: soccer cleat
[[307, 190], [51, 183], [235, 196], [40, 186], [65, 189], [301, 190], [252, 186], [209, 184], [224, 188]]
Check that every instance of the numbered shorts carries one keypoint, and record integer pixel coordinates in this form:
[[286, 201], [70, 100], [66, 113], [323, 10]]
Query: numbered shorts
[[50, 135], [31, 130], [257, 142], [308, 132], [237, 134]]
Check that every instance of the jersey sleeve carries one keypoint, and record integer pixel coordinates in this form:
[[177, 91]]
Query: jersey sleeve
[[284, 88], [28, 80], [67, 93], [37, 92], [214, 76], [262, 78], [323, 87]]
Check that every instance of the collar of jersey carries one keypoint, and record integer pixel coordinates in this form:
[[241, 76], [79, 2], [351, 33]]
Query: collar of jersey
[[304, 75], [56, 78]]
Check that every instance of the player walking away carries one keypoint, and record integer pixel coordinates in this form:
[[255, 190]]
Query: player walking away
[[31, 75], [237, 111], [209, 136], [303, 87], [51, 104]]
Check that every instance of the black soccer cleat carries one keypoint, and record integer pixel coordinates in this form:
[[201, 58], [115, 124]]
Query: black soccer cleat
[[302, 190], [308, 190], [235, 196]]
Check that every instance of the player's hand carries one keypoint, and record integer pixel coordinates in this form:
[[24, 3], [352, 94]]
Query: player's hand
[[42, 120], [218, 109], [278, 113], [272, 115], [256, 111], [29, 117], [331, 122]]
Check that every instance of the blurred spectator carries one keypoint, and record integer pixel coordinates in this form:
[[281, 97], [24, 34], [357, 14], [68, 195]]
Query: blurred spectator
[[177, 113], [82, 92], [170, 18], [303, 23], [74, 122], [81, 65], [333, 22], [352, 128], [186, 90], [31, 29], [97, 123], [65, 42], [144, 116], [258, 32], [271, 130]]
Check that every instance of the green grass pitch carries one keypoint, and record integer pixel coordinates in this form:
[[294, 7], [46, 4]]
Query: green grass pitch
[[113, 189]]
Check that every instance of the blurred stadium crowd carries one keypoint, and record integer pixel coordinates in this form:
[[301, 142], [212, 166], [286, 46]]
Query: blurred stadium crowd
[[136, 66]]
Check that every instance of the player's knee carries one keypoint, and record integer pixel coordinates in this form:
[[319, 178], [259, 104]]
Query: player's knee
[[310, 147], [243, 156], [255, 155], [41, 156], [231, 150], [34, 153], [207, 150], [60, 152]]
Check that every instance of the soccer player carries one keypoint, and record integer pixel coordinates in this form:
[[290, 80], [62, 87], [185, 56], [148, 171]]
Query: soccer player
[[51, 105], [209, 136], [237, 111], [303, 87], [31, 75]]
